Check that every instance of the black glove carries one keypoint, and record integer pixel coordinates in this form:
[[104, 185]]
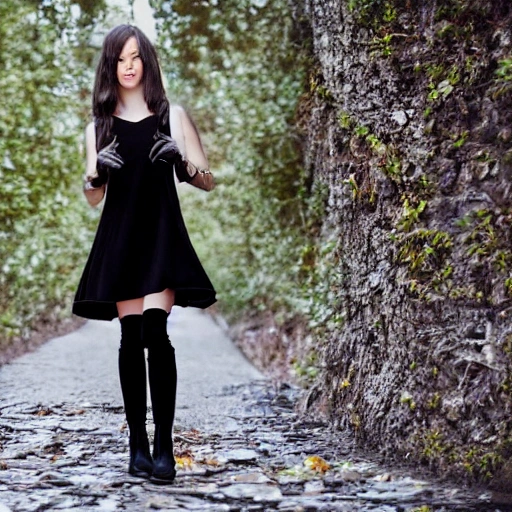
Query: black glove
[[108, 158], [166, 149]]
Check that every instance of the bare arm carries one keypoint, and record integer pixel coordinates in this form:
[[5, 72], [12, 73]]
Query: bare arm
[[187, 137], [93, 195]]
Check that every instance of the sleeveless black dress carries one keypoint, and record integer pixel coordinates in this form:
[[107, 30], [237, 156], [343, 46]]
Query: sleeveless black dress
[[141, 245]]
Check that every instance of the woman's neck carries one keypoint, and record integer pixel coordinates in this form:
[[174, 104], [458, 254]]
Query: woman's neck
[[131, 104]]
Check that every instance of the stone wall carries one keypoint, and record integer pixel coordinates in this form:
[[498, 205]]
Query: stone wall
[[407, 125]]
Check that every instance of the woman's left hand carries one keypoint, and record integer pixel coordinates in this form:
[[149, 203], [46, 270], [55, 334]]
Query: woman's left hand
[[166, 149]]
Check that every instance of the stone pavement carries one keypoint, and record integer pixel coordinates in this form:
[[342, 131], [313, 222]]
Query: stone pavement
[[239, 444]]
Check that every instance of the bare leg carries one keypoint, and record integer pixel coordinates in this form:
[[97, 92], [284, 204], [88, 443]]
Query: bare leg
[[130, 307], [161, 300]]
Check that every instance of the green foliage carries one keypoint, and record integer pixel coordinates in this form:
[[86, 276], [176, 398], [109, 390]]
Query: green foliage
[[44, 225], [408, 400], [383, 10], [382, 45], [307, 370], [426, 253], [434, 402], [345, 120], [461, 140], [434, 445], [504, 71], [411, 213], [362, 131], [504, 77], [236, 67]]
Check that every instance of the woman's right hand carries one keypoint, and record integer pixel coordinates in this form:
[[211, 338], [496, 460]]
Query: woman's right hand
[[107, 158]]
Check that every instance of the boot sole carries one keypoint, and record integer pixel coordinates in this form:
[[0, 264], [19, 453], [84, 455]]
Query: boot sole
[[162, 480], [140, 474]]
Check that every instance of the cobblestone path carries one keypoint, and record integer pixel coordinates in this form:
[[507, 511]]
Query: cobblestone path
[[240, 445]]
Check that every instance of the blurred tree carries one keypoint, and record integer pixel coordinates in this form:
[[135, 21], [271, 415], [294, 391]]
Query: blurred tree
[[44, 58], [236, 65]]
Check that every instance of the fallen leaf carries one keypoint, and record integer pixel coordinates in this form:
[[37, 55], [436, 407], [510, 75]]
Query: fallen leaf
[[211, 462], [184, 462], [44, 411], [317, 464], [75, 412], [184, 453], [385, 477]]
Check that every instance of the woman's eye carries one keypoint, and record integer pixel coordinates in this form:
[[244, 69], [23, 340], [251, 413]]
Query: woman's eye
[[119, 60]]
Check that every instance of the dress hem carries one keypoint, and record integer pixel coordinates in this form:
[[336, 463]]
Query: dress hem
[[107, 309]]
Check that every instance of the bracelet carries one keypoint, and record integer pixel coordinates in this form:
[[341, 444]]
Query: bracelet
[[196, 169], [88, 184]]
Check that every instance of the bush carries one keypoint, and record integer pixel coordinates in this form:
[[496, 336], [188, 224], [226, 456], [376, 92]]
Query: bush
[[45, 226], [235, 66]]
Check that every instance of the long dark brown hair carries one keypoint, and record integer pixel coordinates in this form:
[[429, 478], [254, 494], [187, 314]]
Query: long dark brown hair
[[105, 94]]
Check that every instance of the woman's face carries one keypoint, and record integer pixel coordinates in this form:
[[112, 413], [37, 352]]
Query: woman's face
[[129, 65]]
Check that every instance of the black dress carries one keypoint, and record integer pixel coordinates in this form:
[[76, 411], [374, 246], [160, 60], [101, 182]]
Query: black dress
[[142, 245]]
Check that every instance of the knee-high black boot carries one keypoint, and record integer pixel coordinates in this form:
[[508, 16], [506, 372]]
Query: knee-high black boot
[[162, 384], [132, 375]]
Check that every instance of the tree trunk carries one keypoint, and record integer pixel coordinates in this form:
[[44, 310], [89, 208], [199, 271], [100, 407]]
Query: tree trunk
[[409, 126]]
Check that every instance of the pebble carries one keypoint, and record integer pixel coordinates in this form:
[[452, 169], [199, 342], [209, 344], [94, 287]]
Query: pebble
[[253, 477], [257, 492], [240, 455], [400, 117], [275, 460]]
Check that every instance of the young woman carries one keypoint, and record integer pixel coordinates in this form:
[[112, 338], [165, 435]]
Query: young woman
[[142, 261]]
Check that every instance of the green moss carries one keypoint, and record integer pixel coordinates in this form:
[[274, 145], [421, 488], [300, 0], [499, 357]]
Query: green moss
[[393, 166], [411, 213], [461, 140], [407, 399], [425, 252], [480, 463], [318, 87], [362, 131], [374, 13], [434, 401], [485, 240], [433, 445], [504, 70], [376, 145], [345, 120], [382, 46]]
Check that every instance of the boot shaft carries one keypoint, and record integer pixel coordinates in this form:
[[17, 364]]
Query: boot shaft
[[161, 366]]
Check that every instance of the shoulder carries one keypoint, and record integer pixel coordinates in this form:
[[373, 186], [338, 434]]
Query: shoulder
[[178, 112], [178, 109]]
